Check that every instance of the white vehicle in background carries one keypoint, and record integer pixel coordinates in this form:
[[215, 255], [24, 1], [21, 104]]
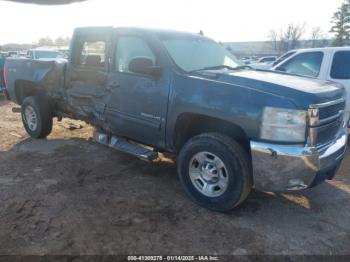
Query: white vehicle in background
[[264, 62], [328, 63], [247, 60], [39, 54]]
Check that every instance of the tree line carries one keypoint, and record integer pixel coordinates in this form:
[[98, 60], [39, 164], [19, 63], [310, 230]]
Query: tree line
[[59, 41], [43, 41], [288, 38], [341, 24], [282, 40]]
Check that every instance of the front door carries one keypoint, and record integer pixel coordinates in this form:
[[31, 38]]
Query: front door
[[137, 105]]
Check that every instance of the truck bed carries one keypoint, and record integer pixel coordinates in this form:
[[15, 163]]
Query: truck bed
[[47, 74]]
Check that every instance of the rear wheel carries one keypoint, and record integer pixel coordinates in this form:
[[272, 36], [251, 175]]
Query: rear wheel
[[37, 116], [215, 171]]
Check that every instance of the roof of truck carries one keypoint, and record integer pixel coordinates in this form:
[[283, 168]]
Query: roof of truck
[[163, 32]]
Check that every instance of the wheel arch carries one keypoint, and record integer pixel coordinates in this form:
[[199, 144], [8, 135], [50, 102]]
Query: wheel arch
[[189, 125]]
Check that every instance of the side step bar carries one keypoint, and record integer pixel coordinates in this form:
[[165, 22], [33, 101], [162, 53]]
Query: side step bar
[[123, 145]]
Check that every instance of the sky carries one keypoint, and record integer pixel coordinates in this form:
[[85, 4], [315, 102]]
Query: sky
[[222, 20]]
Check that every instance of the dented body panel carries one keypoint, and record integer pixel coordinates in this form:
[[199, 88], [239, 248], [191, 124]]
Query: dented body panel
[[46, 75]]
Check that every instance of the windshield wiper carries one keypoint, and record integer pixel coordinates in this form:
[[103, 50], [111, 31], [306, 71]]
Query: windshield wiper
[[222, 67]]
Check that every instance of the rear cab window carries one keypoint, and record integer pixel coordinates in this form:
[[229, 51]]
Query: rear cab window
[[90, 51], [341, 65]]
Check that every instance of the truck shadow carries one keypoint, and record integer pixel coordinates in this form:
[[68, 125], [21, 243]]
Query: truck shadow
[[94, 159], [115, 198]]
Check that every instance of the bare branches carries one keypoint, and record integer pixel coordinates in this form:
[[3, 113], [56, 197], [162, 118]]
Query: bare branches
[[287, 38]]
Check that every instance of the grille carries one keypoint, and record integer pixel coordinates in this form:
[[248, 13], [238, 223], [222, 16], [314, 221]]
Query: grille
[[327, 132], [322, 130], [332, 110]]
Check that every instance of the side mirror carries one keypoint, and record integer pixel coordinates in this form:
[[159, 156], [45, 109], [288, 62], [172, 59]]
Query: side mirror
[[144, 66]]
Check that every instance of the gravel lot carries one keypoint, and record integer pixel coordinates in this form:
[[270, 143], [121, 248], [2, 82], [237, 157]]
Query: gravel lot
[[69, 195]]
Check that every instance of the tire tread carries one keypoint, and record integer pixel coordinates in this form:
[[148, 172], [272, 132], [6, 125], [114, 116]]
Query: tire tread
[[237, 150], [41, 105]]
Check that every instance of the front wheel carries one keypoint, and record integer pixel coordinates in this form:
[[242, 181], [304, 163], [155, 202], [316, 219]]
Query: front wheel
[[215, 171], [36, 116]]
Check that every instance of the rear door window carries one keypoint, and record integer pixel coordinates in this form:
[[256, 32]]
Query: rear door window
[[304, 64], [93, 54], [341, 65], [90, 51]]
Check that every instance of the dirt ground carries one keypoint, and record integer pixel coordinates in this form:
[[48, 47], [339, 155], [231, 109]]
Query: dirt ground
[[69, 195]]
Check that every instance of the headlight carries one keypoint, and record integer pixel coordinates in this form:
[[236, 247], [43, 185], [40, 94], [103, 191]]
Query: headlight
[[283, 125]]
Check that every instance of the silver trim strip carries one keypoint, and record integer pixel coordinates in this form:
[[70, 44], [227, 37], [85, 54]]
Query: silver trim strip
[[338, 101]]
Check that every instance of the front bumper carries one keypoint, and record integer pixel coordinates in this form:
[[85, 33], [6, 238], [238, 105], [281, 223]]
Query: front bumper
[[282, 168]]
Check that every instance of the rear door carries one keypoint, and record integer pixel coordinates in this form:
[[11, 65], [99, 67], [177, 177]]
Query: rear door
[[87, 75]]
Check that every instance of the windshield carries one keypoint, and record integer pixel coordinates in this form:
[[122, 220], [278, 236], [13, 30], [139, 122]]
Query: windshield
[[47, 54], [192, 54]]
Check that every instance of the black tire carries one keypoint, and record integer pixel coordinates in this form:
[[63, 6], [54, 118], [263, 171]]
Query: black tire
[[43, 114], [236, 161]]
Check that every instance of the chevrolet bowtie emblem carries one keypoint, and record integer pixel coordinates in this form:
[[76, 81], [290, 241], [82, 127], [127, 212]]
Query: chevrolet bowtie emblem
[[314, 112]]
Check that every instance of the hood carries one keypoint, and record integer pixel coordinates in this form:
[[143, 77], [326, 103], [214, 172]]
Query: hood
[[302, 91]]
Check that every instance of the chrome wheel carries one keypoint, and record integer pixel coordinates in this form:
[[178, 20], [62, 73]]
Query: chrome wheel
[[30, 118], [208, 174]]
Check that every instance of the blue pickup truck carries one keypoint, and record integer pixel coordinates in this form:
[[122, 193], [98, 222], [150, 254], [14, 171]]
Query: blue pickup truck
[[148, 91]]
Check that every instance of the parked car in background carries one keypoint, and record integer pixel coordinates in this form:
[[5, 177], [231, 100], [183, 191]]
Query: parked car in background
[[283, 57], [39, 53], [22, 54], [12, 53], [328, 63], [264, 62], [267, 59]]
